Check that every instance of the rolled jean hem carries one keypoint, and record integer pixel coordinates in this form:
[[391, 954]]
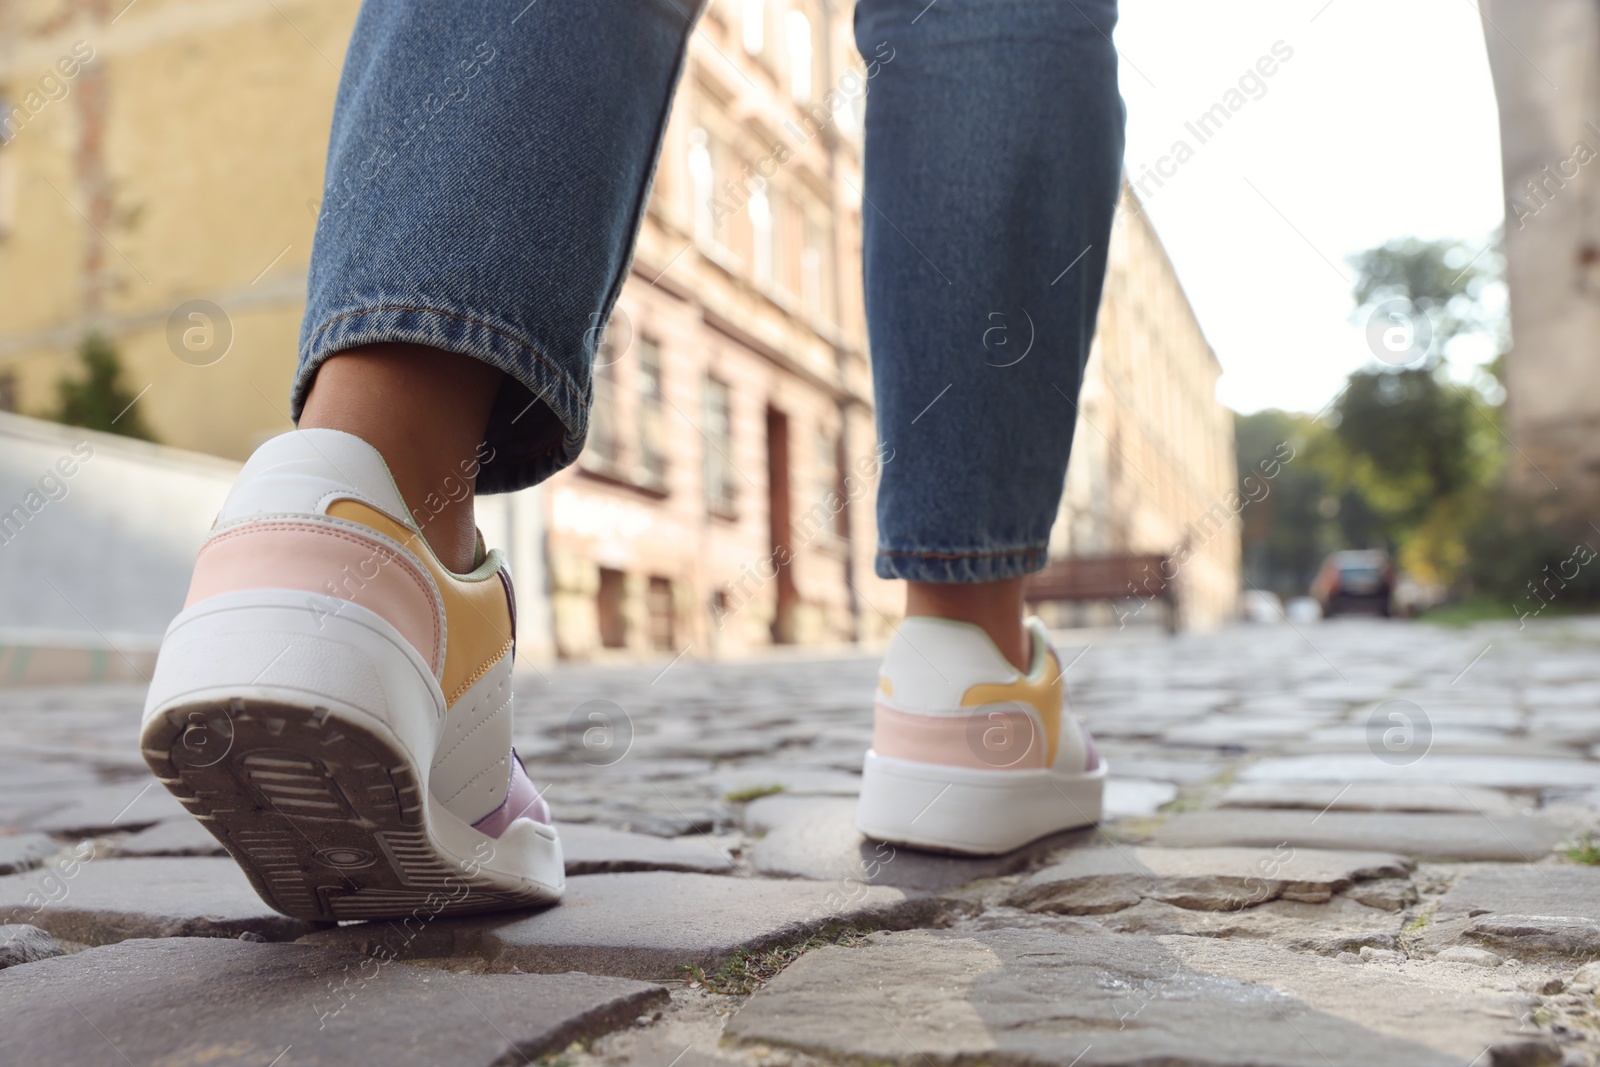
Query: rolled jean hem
[[510, 467], [953, 567]]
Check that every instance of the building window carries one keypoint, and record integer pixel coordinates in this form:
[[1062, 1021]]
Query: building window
[[721, 493], [753, 19], [651, 420], [608, 606], [760, 208], [658, 608], [786, 244], [604, 450], [811, 278], [797, 35], [627, 430], [703, 178]]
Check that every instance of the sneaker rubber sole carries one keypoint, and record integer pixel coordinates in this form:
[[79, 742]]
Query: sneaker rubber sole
[[319, 799], [971, 811]]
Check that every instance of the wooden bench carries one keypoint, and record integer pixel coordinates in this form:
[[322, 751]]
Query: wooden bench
[[1126, 577]]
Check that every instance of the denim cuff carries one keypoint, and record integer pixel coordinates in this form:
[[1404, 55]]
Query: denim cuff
[[525, 447], [955, 566]]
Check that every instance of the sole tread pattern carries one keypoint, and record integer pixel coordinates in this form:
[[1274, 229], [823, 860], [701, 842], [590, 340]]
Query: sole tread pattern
[[326, 819]]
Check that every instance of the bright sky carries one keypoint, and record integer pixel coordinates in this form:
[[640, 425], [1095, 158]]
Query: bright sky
[[1381, 125]]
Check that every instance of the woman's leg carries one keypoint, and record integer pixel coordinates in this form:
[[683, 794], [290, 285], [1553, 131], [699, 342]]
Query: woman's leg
[[425, 411], [993, 161], [487, 174], [335, 698]]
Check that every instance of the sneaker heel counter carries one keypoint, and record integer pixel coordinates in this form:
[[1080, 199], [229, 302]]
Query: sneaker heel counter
[[332, 566], [994, 738]]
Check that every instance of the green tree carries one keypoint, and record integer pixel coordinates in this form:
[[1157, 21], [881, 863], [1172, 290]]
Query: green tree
[[97, 399], [1285, 531], [1419, 450], [1443, 280], [1406, 458]]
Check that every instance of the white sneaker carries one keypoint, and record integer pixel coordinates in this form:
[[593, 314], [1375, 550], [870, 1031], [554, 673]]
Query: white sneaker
[[335, 706], [970, 755]]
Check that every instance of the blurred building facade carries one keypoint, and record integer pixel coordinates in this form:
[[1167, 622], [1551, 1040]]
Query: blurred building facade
[[171, 152], [1152, 466], [725, 497], [1545, 59]]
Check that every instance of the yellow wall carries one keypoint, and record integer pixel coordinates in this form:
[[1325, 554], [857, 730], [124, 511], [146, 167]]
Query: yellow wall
[[185, 162]]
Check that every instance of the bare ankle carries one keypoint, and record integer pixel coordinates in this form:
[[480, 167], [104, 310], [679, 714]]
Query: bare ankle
[[425, 411], [995, 607]]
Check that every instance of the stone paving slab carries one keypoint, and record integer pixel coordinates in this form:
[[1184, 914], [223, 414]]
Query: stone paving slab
[[1484, 716], [1162, 768], [1501, 773], [1522, 890], [20, 943], [653, 925], [1368, 796], [1118, 725], [1542, 912], [1579, 726], [1250, 730], [677, 822], [30, 788], [591, 849], [23, 852], [794, 780], [1237, 732], [1536, 936], [174, 837], [98, 809], [1094, 881], [816, 837], [1038, 997], [208, 1001], [101, 900], [1454, 1009], [1435, 835], [1351, 738], [632, 770], [1340, 925], [1134, 797]]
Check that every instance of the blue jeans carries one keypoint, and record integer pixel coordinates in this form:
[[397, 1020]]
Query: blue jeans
[[489, 167]]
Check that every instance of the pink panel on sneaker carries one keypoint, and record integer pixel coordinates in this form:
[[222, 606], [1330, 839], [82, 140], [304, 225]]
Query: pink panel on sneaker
[[1091, 761], [523, 801], [332, 563], [995, 740]]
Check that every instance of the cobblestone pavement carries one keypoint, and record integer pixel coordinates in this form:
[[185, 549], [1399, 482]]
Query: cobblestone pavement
[[1356, 842]]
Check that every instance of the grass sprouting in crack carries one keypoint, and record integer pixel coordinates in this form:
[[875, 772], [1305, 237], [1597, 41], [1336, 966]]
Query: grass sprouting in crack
[[753, 792], [748, 971], [1585, 850]]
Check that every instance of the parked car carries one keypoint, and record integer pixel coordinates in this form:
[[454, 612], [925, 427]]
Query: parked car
[[1355, 580]]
